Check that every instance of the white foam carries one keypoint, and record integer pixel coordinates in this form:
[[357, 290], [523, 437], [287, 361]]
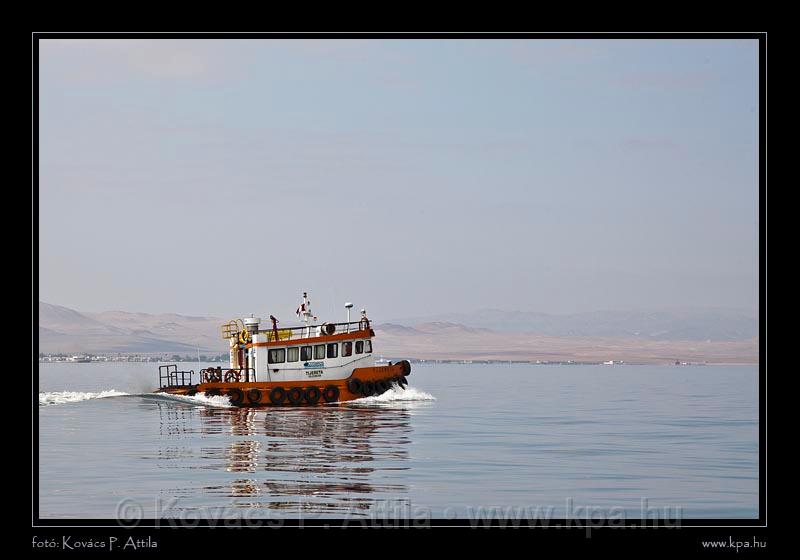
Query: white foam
[[202, 399], [61, 397], [396, 395]]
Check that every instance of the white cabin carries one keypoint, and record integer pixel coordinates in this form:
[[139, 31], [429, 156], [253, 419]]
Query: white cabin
[[315, 357]]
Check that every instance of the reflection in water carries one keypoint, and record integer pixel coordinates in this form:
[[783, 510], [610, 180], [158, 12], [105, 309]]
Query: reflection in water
[[330, 460], [500, 436]]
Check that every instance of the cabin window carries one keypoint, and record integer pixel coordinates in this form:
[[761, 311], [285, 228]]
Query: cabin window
[[292, 354], [368, 346], [359, 346], [277, 356], [305, 353], [333, 349], [319, 352], [347, 349]]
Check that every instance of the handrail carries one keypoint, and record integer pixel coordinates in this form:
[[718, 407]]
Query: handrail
[[168, 376], [293, 333]]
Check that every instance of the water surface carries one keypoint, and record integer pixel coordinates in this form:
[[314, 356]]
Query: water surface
[[544, 439]]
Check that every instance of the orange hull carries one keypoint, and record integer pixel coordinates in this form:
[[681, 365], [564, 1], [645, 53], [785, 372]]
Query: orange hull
[[363, 382]]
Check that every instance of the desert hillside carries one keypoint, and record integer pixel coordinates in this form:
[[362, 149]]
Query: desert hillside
[[69, 331], [447, 341]]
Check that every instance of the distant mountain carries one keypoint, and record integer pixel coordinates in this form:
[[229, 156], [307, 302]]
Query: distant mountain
[[449, 341], [58, 318], [631, 336], [713, 324], [398, 329], [62, 329]]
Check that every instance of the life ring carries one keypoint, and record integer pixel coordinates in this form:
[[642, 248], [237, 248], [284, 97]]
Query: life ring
[[312, 395], [254, 396], [331, 393], [381, 386], [368, 388], [236, 396], [354, 385], [231, 376], [277, 395], [295, 395], [244, 336]]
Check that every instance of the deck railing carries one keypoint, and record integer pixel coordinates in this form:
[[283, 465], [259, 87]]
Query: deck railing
[[311, 331], [169, 376]]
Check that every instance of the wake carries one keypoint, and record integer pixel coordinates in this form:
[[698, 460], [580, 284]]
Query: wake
[[201, 399], [395, 395], [63, 397]]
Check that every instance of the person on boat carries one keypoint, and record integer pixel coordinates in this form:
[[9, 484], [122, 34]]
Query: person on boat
[[274, 327]]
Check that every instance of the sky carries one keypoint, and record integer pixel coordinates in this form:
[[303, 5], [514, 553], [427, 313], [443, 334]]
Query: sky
[[410, 177]]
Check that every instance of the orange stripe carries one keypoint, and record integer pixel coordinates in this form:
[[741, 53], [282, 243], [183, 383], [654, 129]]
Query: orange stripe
[[317, 339]]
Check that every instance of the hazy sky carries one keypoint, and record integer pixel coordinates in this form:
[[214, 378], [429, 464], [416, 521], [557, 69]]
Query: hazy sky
[[225, 177]]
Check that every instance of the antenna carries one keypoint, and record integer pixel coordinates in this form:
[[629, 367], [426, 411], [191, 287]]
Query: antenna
[[348, 306]]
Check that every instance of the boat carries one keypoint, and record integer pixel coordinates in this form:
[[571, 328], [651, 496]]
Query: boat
[[307, 365]]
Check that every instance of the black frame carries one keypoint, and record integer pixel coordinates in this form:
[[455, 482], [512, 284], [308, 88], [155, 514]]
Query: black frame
[[687, 535]]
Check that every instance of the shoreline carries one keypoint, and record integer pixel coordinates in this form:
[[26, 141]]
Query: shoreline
[[136, 359]]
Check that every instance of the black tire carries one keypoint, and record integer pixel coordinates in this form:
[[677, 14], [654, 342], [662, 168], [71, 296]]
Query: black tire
[[403, 382], [405, 368], [236, 396], [331, 393], [355, 386], [381, 386], [368, 389], [254, 396], [277, 395], [312, 395], [295, 395], [213, 393]]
